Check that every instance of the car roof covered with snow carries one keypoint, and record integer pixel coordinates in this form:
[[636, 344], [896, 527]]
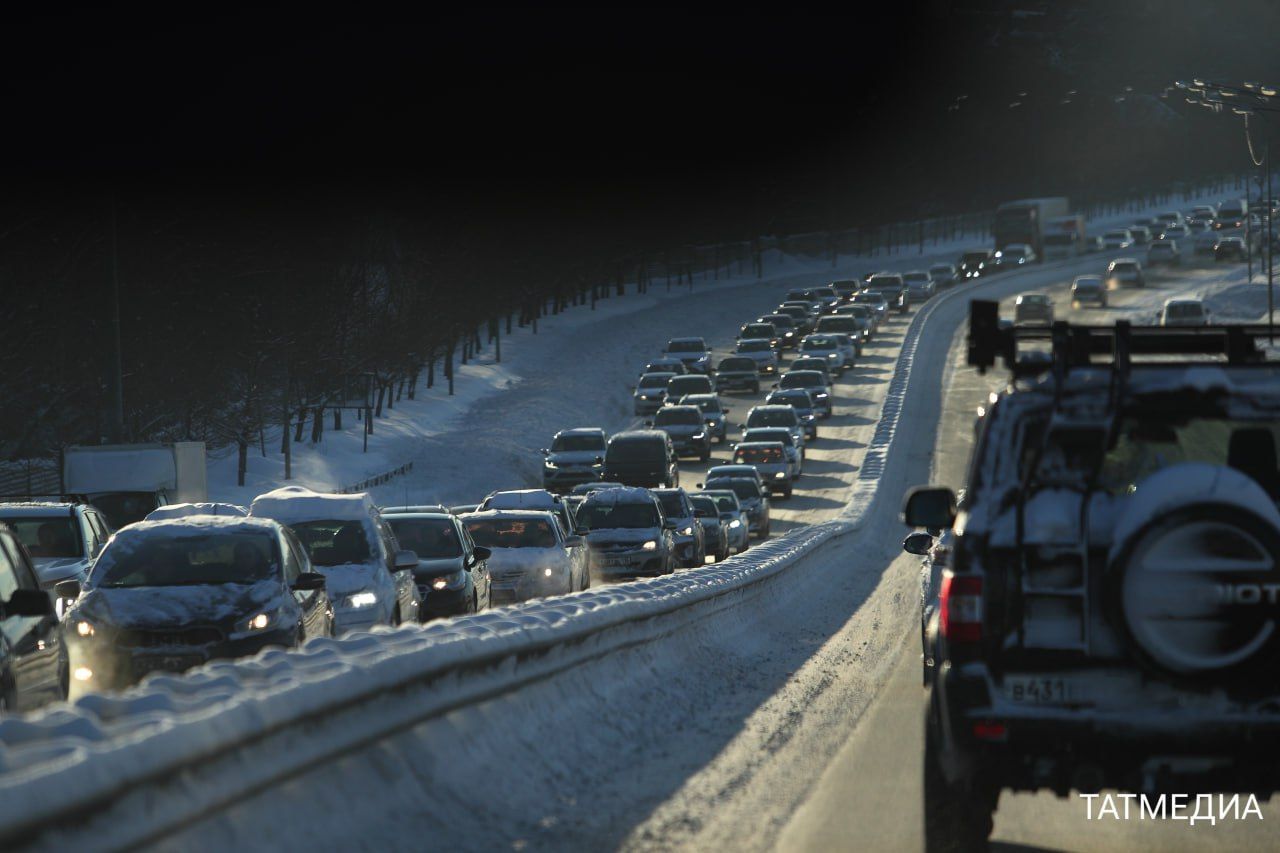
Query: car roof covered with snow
[[521, 499], [620, 495], [297, 503], [38, 509], [189, 509]]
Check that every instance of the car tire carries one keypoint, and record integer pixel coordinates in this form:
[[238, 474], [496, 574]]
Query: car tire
[[704, 456], [395, 617], [787, 494], [957, 816], [755, 388]]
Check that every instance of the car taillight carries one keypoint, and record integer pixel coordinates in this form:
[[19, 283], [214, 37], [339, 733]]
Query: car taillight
[[960, 608]]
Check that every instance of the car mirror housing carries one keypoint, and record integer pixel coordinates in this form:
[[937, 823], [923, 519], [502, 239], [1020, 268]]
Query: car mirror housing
[[309, 581], [573, 542], [668, 525], [28, 602], [67, 589], [480, 552], [405, 560], [929, 506]]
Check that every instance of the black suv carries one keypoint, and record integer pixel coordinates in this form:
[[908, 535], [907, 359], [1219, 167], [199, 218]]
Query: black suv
[[644, 458], [1107, 619]]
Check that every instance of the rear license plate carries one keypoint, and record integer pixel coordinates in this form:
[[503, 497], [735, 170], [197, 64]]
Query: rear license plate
[[1038, 690]]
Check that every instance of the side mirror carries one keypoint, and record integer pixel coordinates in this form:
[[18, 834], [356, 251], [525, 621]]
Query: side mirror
[[67, 589], [669, 525], [701, 513], [648, 423], [480, 552], [929, 506], [580, 531], [700, 486], [405, 560], [918, 543], [29, 602], [308, 581], [573, 542], [599, 460], [545, 452]]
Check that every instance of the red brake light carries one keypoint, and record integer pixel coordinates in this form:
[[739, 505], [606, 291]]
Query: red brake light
[[960, 608]]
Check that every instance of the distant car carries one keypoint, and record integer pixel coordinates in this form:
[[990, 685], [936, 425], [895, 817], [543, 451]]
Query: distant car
[[530, 555], [826, 296], [813, 382], [974, 264], [453, 572], [1184, 312], [876, 301], [1117, 239], [744, 481], [1033, 308], [782, 435], [61, 538], [169, 595], [688, 537], [740, 373], [1170, 219], [761, 351], [1125, 271], [694, 352], [846, 324], [850, 348], [714, 413], [687, 429], [575, 456], [763, 331], [778, 415], [1200, 224], [861, 311], [770, 459], [800, 294], [846, 287], [814, 362], [665, 365], [1206, 243], [734, 517], [893, 288], [1090, 289], [1014, 255], [944, 275], [1175, 232], [1164, 251], [1141, 234], [920, 285], [369, 577], [533, 499], [626, 533], [644, 458], [650, 393], [801, 316], [800, 400], [1232, 214], [680, 386], [825, 347], [785, 325], [1230, 249], [34, 669], [587, 488], [715, 528]]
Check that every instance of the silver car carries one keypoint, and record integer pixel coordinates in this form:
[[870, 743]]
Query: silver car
[[734, 517], [529, 554]]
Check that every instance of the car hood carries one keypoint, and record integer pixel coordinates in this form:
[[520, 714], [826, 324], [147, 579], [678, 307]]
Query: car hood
[[439, 566], [179, 606], [623, 534], [352, 577], [683, 429], [575, 457], [50, 570]]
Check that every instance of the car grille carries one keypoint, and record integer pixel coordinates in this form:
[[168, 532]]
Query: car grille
[[173, 637], [614, 547], [510, 576]]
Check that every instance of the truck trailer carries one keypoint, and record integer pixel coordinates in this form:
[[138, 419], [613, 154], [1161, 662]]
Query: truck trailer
[[127, 481], [1025, 221]]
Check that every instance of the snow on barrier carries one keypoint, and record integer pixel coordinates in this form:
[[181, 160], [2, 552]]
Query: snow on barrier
[[88, 773]]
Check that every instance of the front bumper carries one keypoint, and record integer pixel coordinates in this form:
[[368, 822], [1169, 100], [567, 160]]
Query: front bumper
[[437, 603], [116, 667], [524, 585]]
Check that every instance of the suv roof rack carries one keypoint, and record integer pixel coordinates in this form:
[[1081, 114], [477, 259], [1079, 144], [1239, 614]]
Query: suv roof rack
[[1074, 345]]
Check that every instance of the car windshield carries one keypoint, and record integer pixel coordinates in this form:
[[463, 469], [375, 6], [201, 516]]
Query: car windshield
[[726, 503], [781, 321], [754, 346], [872, 298], [772, 417], [1129, 267], [429, 538], [677, 417], [702, 503], [974, 257], [686, 346], [801, 379], [150, 558], [758, 330], [671, 506], [735, 364], [1034, 299], [708, 405], [606, 515], [520, 532], [1088, 284], [1184, 310], [740, 486], [573, 443], [811, 344], [47, 537], [799, 401], [782, 436], [654, 380], [123, 508], [333, 543]]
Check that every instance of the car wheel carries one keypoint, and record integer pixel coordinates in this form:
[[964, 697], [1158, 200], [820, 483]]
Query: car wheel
[[787, 494], [957, 815]]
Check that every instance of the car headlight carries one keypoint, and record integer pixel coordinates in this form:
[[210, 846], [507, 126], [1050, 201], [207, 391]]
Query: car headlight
[[455, 580], [713, 424], [790, 334], [551, 466], [643, 396], [821, 395], [735, 523], [688, 531], [84, 628], [651, 545], [833, 355], [779, 475], [361, 599], [698, 435], [257, 622]]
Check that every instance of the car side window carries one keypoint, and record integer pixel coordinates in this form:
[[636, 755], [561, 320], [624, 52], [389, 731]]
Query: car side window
[[21, 564], [8, 571], [100, 525], [294, 561], [92, 541], [390, 544]]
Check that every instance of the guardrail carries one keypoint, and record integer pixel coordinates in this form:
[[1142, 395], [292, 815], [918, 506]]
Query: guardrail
[[376, 480]]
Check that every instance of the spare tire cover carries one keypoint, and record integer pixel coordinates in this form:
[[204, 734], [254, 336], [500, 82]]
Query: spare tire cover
[[1196, 567]]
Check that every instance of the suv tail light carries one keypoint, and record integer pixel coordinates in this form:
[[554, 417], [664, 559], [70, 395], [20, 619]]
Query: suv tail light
[[960, 608]]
